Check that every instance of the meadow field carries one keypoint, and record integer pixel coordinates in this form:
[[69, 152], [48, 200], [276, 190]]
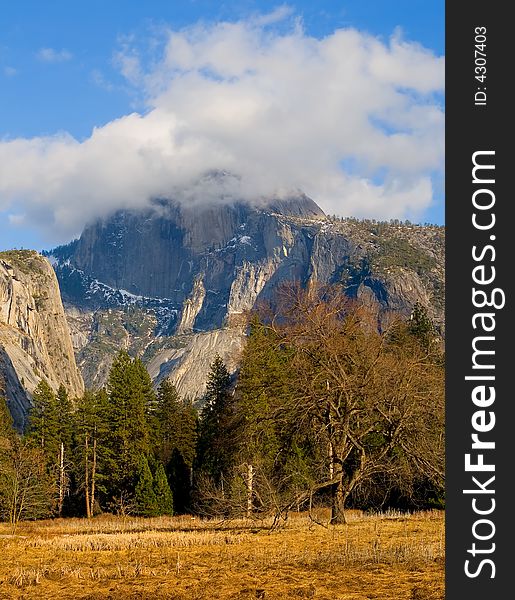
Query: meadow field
[[384, 557]]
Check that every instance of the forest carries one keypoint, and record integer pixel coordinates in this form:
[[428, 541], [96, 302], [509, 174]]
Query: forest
[[334, 404]]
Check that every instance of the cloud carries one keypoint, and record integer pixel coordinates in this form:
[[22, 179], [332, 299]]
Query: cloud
[[10, 71], [15, 219], [355, 122], [51, 55], [99, 79], [275, 16]]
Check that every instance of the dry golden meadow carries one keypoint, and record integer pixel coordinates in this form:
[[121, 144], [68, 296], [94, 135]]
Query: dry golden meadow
[[386, 557]]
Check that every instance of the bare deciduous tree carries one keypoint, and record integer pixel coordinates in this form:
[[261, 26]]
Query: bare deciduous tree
[[26, 489], [374, 399], [330, 399]]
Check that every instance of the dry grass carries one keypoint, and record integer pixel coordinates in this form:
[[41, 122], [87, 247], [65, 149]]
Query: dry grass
[[383, 557]]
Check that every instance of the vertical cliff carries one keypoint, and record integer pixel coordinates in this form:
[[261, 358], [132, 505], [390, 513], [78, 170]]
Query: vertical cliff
[[35, 340], [173, 284]]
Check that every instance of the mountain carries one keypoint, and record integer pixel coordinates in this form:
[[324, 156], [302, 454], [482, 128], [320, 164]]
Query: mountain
[[171, 283], [35, 337]]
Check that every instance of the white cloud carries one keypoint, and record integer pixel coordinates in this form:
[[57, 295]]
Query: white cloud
[[279, 111], [275, 16], [51, 55], [99, 79], [10, 71], [15, 219]]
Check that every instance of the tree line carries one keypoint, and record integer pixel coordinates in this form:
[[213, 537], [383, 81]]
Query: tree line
[[331, 405], [125, 449]]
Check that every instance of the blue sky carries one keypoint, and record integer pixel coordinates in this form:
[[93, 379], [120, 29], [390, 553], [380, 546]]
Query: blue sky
[[65, 69]]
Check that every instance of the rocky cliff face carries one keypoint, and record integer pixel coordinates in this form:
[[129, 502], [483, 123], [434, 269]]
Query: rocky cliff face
[[171, 283], [35, 338]]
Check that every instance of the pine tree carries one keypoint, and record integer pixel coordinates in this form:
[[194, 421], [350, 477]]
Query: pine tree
[[216, 443], [176, 438], [64, 433], [129, 395], [272, 440], [44, 421], [167, 416], [6, 422], [421, 327], [163, 493], [7, 437], [145, 387], [218, 386], [50, 429], [145, 500], [91, 427], [65, 419]]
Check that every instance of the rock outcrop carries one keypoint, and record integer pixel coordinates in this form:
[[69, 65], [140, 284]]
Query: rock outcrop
[[171, 284], [188, 363], [35, 340]]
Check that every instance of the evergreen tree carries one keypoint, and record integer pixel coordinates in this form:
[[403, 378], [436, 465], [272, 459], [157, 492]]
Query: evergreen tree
[[273, 440], [65, 419], [145, 500], [167, 418], [218, 386], [129, 395], [145, 387], [8, 439], [64, 434], [44, 421], [217, 425], [421, 327], [7, 436], [50, 429], [176, 437], [90, 428], [6, 422], [163, 493]]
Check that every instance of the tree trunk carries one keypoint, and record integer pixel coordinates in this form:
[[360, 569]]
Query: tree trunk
[[62, 481], [86, 477], [250, 489], [14, 504], [93, 473], [338, 498], [343, 488]]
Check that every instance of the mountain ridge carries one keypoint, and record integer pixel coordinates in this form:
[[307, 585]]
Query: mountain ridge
[[150, 280]]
